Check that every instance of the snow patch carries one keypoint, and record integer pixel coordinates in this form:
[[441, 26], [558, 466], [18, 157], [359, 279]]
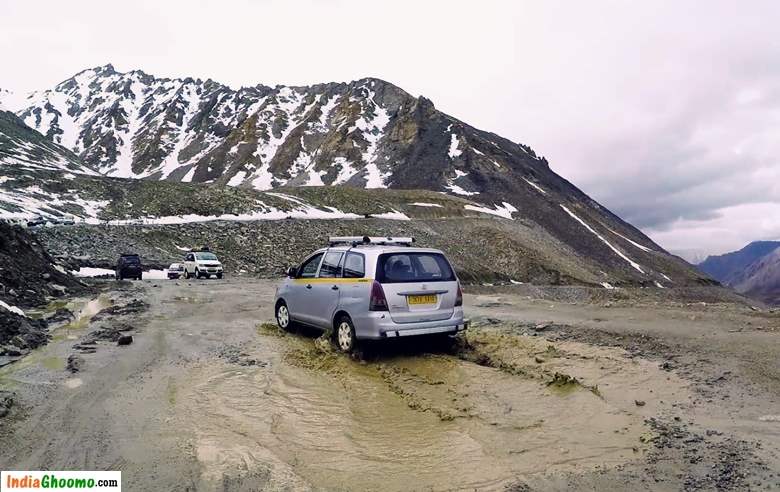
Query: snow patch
[[12, 309], [423, 204], [457, 189], [93, 272], [504, 210], [237, 178], [454, 143], [535, 186], [393, 215]]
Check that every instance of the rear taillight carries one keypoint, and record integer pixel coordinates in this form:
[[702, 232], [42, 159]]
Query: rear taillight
[[459, 297], [378, 301]]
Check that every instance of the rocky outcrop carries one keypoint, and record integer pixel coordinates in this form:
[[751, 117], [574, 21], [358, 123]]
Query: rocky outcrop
[[28, 274]]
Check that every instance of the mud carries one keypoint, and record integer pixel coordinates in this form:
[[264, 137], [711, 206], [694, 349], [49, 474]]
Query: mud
[[212, 396]]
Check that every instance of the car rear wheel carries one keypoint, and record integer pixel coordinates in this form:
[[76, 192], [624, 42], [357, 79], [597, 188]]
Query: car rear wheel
[[345, 334], [186, 274], [283, 316]]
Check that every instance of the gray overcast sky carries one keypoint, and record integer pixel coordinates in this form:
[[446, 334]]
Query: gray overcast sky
[[668, 113]]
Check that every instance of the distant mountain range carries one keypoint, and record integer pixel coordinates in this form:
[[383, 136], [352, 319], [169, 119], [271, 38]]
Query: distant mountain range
[[753, 270], [107, 145]]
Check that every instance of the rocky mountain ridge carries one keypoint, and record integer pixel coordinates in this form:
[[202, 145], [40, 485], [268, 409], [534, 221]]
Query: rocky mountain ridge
[[206, 152]]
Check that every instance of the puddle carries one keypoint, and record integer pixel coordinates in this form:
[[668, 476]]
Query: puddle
[[421, 420], [44, 356]]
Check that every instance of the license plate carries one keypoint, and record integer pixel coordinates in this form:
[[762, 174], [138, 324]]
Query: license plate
[[428, 299]]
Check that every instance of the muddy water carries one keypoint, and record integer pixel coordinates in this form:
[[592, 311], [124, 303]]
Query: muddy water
[[420, 420], [52, 357]]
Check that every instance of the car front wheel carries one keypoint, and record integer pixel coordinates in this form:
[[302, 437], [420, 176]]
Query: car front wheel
[[283, 316], [345, 334]]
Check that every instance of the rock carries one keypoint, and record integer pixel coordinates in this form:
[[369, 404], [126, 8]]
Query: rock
[[6, 401], [639, 403], [75, 362], [538, 359], [542, 326], [84, 348], [22, 332], [60, 315], [46, 276], [10, 350], [125, 340]]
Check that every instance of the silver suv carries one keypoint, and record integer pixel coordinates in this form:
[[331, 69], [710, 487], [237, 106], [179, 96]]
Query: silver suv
[[372, 288]]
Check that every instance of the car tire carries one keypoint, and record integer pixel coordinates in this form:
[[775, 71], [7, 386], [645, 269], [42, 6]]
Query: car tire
[[219, 276], [345, 334], [186, 274], [283, 318], [140, 277], [197, 274]]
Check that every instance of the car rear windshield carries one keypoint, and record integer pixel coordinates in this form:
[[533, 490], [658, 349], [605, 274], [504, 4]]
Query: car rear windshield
[[413, 267], [133, 260]]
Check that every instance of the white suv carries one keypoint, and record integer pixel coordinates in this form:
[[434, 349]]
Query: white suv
[[372, 288], [202, 264]]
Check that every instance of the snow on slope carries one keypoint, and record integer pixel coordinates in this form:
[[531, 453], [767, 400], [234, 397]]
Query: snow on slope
[[631, 262]]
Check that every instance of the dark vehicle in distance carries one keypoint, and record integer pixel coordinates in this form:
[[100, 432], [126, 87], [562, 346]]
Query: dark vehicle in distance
[[129, 266], [176, 270], [36, 222]]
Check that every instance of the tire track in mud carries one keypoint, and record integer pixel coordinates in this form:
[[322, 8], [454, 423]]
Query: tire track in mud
[[477, 413]]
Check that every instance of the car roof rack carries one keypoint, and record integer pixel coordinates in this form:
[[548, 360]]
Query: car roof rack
[[370, 241]]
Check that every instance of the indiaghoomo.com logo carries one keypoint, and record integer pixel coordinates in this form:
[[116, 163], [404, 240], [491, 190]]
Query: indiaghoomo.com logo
[[61, 480]]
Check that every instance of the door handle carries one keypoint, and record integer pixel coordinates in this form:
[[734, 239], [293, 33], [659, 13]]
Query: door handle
[[335, 287], [308, 286]]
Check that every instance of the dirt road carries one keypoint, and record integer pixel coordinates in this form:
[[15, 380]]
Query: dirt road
[[536, 396]]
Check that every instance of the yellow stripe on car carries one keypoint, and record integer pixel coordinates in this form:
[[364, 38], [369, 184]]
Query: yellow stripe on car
[[331, 280]]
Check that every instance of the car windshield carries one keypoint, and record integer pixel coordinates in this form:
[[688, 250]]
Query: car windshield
[[206, 256], [414, 267]]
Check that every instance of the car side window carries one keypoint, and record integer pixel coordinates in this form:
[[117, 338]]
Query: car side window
[[309, 268], [354, 266], [331, 264]]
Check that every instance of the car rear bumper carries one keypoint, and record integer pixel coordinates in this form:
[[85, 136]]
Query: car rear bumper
[[379, 325]]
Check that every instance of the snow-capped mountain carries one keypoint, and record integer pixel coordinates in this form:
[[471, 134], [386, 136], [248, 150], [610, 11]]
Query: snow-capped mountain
[[366, 133]]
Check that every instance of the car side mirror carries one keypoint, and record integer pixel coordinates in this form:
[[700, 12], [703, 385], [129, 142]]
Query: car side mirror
[[292, 272]]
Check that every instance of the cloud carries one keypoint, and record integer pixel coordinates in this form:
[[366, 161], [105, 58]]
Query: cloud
[[667, 112]]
